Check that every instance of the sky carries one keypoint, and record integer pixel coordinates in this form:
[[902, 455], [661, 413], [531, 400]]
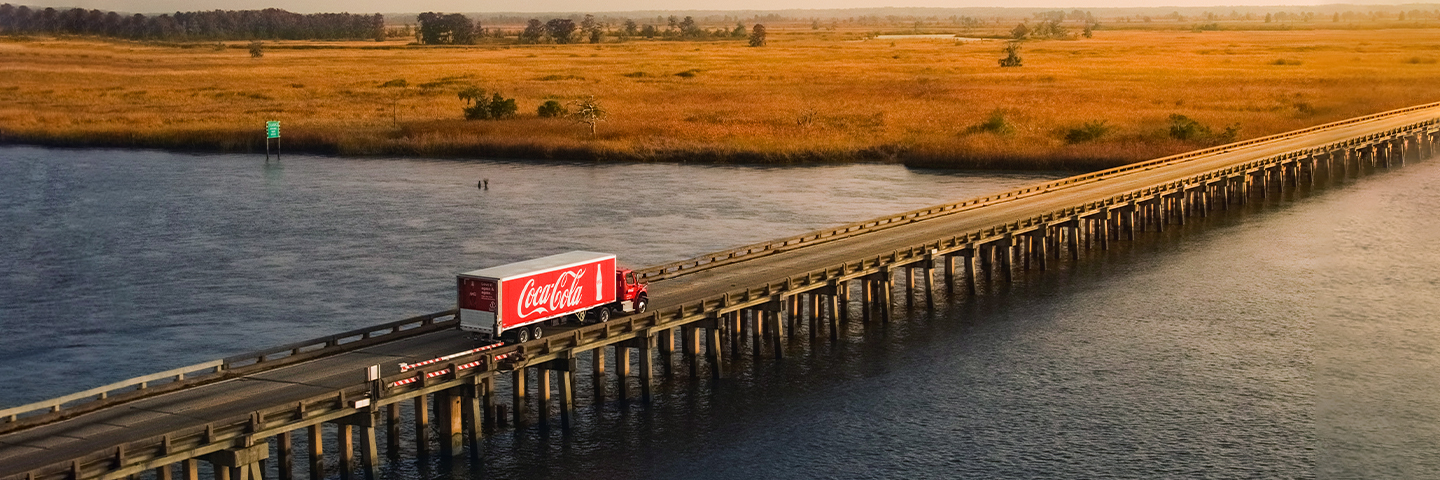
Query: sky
[[594, 6]]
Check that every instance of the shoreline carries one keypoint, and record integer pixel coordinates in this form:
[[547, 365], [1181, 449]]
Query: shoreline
[[220, 143]]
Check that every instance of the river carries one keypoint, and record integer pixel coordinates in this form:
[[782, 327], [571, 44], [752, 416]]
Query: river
[[1292, 338]]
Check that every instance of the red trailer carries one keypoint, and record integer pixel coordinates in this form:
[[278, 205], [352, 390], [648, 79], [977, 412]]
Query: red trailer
[[513, 301]]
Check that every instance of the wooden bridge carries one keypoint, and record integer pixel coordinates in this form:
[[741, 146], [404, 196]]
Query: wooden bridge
[[237, 414]]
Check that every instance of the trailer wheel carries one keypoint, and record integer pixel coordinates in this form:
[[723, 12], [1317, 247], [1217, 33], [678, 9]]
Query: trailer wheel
[[522, 335], [538, 333], [602, 315]]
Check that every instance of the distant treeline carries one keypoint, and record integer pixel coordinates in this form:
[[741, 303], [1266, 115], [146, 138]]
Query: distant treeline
[[267, 24]]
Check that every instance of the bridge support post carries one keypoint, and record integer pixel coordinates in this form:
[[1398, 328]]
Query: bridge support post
[[488, 404], [448, 404], [567, 388], [519, 404], [542, 395], [885, 295], [691, 334], [285, 467], [1104, 220], [867, 299], [1007, 258], [757, 332], [345, 443], [647, 369], [422, 424], [597, 372], [778, 333], [667, 351], [835, 310], [929, 272], [1073, 238], [1042, 246], [622, 371], [317, 455], [190, 469], [473, 393], [712, 349], [392, 430], [967, 258]]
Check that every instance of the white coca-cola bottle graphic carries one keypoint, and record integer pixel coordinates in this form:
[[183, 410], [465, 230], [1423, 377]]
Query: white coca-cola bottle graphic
[[599, 280]]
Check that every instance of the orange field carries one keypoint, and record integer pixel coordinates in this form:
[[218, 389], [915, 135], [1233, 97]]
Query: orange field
[[806, 97]]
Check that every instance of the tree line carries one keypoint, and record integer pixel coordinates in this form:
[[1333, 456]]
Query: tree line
[[267, 24], [456, 29]]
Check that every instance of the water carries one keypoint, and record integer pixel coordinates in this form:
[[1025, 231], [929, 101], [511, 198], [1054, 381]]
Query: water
[[1294, 338], [116, 264]]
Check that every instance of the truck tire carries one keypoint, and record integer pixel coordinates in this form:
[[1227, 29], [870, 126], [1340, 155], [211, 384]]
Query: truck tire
[[602, 315], [641, 304], [537, 334], [522, 335]]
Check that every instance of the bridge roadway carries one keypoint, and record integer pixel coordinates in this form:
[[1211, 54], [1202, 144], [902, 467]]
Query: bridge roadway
[[36, 447]]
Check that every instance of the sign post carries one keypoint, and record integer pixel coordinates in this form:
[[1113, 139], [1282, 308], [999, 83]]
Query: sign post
[[272, 130]]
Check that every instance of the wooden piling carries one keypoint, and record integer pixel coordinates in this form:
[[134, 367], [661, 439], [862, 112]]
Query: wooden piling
[[597, 372], [518, 402], [392, 430], [712, 351], [284, 447], [647, 370], [622, 371], [422, 425], [346, 444], [542, 395], [448, 405], [317, 455], [567, 390]]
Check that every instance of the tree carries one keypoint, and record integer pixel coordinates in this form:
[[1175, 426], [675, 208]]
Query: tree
[[648, 31], [560, 29], [478, 107], [588, 112], [257, 50], [1019, 32], [441, 29], [533, 32], [757, 36], [631, 29], [552, 109], [739, 31], [1012, 55], [688, 28]]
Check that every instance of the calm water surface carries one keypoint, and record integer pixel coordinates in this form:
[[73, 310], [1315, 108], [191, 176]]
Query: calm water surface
[[1294, 338]]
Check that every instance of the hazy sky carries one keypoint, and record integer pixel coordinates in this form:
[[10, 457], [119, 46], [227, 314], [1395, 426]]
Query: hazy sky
[[384, 6]]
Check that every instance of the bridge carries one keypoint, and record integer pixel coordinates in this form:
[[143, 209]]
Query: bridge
[[234, 416]]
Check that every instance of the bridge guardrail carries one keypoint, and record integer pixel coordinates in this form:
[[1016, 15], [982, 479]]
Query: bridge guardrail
[[672, 269]]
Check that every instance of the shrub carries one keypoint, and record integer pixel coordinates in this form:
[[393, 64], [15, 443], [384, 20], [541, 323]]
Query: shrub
[[552, 109], [996, 124], [1285, 61], [257, 49], [1185, 128], [1088, 132], [688, 73], [478, 107], [1012, 55]]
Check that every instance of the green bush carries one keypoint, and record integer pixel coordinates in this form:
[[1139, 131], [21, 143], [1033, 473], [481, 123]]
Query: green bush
[[1090, 131], [552, 109], [496, 107]]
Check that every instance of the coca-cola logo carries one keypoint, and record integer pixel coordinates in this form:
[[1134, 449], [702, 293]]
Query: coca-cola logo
[[565, 292]]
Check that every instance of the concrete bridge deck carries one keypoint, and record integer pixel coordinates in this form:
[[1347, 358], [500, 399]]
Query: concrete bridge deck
[[230, 413]]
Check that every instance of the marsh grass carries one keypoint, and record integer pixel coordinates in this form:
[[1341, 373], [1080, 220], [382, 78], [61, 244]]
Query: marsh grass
[[800, 99]]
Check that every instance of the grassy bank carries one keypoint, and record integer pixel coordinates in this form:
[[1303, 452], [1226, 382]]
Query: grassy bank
[[816, 96]]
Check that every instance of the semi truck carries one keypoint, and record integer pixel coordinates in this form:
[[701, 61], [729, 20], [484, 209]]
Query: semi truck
[[513, 302]]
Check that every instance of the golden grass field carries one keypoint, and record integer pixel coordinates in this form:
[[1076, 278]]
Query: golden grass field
[[806, 97]]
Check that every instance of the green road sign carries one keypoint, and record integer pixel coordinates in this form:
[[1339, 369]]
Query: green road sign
[[272, 129]]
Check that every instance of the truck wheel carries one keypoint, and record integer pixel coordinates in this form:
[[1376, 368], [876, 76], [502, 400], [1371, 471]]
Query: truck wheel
[[602, 315], [641, 304], [522, 335], [537, 334]]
